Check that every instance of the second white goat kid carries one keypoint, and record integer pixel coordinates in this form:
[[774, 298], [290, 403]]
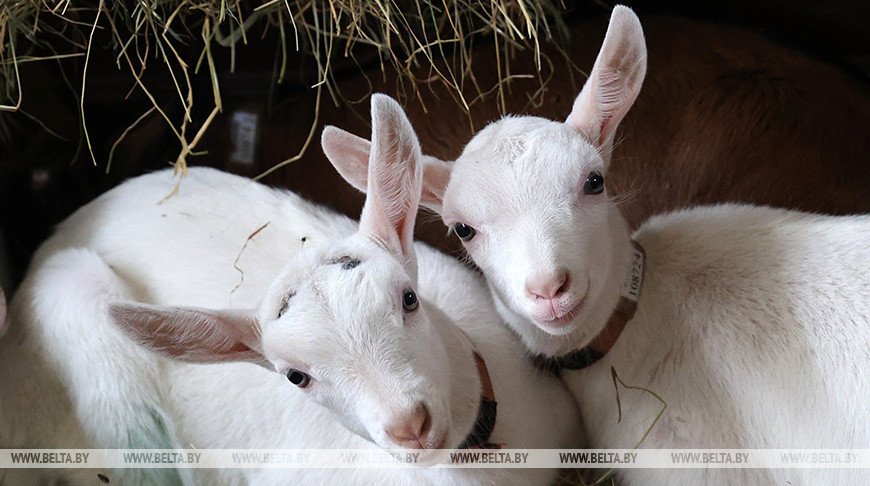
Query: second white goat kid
[[751, 323], [373, 353]]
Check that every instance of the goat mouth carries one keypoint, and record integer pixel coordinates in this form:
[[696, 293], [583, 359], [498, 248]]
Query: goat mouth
[[563, 319]]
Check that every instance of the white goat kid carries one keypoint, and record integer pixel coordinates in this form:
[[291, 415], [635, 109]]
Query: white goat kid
[[342, 321], [752, 322]]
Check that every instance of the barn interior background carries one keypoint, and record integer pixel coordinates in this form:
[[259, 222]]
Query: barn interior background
[[96, 91]]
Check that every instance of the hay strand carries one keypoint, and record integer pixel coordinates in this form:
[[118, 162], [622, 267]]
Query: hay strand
[[617, 382], [84, 83], [422, 42]]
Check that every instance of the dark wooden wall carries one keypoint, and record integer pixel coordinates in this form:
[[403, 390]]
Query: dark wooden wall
[[764, 88]]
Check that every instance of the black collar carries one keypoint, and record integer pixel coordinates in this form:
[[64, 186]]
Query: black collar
[[486, 413], [575, 360]]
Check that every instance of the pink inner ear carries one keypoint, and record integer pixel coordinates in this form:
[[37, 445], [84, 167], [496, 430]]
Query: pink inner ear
[[406, 228], [393, 178], [436, 176], [375, 223], [189, 334], [615, 80], [241, 348], [584, 116], [349, 155]]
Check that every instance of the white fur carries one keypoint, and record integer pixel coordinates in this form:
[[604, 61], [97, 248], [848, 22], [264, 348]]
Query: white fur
[[72, 378], [752, 322]]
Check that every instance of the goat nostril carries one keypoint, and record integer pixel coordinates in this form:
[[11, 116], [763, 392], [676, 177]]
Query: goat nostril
[[566, 282], [412, 430], [548, 286], [427, 423]]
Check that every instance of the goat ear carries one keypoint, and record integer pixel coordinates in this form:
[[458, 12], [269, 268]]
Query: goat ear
[[394, 179], [349, 155], [615, 80], [191, 334], [436, 175]]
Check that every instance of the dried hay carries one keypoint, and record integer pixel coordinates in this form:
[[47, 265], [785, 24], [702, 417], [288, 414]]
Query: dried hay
[[425, 42]]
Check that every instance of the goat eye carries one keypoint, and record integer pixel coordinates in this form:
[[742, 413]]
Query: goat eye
[[298, 378], [464, 232], [594, 183], [285, 304], [409, 301]]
